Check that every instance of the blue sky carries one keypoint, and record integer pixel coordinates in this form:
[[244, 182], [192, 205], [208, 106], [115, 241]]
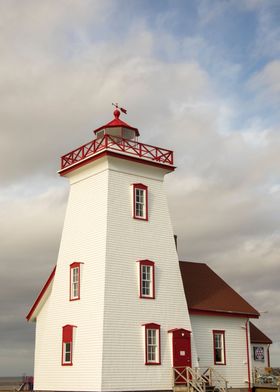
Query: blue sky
[[199, 77]]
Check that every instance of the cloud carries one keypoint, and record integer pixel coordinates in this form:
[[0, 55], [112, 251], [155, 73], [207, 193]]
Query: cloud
[[30, 233], [266, 83]]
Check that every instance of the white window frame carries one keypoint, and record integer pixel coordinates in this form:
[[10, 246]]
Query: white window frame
[[140, 201], [152, 344], [75, 281], [146, 279], [219, 345]]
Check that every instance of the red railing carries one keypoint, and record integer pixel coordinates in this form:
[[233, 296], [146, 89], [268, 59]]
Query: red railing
[[119, 144]]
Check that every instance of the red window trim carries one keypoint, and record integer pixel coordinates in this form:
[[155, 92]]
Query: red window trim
[[151, 264], [157, 328], [145, 188], [220, 332], [72, 266], [67, 337]]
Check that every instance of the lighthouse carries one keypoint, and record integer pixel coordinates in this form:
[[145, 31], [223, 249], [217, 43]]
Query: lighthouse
[[113, 314]]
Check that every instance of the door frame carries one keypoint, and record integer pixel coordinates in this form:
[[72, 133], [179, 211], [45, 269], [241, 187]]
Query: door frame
[[176, 331]]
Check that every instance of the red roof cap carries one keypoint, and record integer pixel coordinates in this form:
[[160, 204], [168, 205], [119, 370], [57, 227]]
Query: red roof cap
[[116, 122]]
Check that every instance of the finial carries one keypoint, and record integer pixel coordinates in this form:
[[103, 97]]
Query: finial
[[117, 112]]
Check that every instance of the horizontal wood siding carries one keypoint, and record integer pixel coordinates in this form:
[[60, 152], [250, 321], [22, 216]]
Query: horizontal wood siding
[[130, 240], [100, 232], [83, 240], [235, 370]]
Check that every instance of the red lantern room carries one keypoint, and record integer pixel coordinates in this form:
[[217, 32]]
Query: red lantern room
[[117, 128]]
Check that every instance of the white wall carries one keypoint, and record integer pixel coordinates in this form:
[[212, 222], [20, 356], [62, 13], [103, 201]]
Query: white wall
[[83, 240], [99, 231], [235, 370], [130, 240]]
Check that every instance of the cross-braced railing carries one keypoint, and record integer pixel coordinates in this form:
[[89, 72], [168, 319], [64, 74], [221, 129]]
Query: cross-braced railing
[[200, 378], [214, 379], [118, 144], [189, 377]]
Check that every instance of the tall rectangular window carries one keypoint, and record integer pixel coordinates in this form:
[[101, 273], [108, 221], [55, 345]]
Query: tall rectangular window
[[67, 345], [75, 281], [152, 344], [147, 279], [140, 201], [219, 347], [146, 271]]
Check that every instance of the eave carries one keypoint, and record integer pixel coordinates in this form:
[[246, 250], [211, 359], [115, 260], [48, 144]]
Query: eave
[[223, 313], [41, 299]]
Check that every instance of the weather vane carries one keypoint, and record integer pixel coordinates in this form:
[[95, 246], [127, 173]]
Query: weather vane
[[121, 109]]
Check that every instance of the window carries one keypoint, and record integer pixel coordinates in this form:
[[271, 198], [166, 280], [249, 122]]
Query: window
[[100, 134], [219, 347], [67, 345], [147, 279], [140, 201], [75, 275], [152, 344]]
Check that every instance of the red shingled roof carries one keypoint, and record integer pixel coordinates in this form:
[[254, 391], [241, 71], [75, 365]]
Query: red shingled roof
[[207, 292], [258, 336]]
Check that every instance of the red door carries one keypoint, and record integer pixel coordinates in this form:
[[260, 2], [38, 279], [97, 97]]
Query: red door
[[182, 356]]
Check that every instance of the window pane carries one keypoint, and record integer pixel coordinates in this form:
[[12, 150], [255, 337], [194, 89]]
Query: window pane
[[67, 352], [140, 202], [152, 346], [67, 357], [219, 348], [75, 282], [218, 341], [146, 280]]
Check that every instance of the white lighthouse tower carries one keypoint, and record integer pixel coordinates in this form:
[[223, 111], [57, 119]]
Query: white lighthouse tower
[[113, 314]]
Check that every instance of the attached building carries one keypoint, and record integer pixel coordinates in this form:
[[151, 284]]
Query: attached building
[[260, 344]]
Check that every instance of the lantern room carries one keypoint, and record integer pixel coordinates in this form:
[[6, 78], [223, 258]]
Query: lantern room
[[117, 128]]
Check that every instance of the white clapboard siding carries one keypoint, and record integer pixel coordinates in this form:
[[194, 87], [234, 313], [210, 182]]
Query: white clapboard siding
[[83, 240], [130, 240], [236, 368], [99, 231]]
